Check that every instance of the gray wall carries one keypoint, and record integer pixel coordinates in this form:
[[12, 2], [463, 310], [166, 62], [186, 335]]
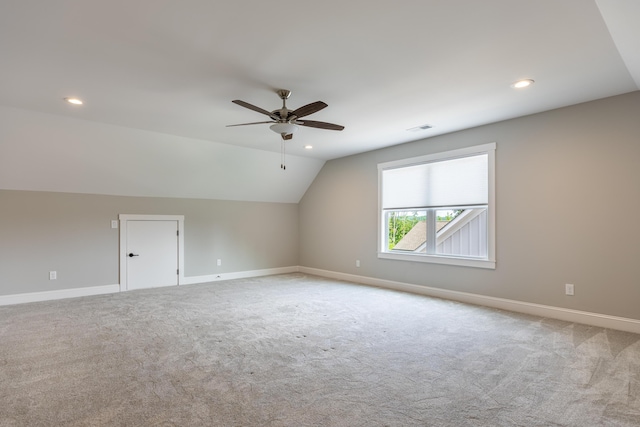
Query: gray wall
[[71, 233], [568, 197], [568, 204]]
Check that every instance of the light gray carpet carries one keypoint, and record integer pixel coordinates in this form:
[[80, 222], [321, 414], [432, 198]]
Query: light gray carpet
[[297, 350]]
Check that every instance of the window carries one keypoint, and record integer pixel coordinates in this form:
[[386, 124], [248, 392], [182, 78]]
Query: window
[[439, 208]]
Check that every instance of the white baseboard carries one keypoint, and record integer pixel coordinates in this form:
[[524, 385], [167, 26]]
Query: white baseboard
[[585, 317], [577, 316], [110, 289], [59, 294], [192, 280]]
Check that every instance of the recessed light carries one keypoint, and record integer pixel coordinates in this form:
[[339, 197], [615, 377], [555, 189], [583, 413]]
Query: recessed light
[[74, 101], [520, 84], [308, 147]]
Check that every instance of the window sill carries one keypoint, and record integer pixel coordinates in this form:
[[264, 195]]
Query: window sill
[[434, 259]]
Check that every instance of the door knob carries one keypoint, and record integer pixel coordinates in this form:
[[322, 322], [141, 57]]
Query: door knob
[[131, 255]]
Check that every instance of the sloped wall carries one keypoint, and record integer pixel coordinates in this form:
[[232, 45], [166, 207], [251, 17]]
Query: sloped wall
[[46, 152]]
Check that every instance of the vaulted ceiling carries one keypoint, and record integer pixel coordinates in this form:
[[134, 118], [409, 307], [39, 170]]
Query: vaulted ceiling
[[173, 67]]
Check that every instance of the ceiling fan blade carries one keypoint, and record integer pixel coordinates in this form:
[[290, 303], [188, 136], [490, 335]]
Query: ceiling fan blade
[[319, 125], [254, 108], [308, 109], [245, 124]]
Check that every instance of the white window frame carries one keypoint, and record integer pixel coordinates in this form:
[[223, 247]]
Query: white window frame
[[490, 261]]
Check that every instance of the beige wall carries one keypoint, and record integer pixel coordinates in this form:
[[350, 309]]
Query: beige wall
[[71, 234], [568, 199]]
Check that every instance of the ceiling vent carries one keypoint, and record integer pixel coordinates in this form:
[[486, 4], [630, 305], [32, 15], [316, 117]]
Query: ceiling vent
[[419, 128]]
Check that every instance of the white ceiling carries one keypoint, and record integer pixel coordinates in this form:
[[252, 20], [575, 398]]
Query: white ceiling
[[383, 67]]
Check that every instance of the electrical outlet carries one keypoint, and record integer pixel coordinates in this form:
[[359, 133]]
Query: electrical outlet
[[53, 275], [568, 289], [219, 262], [358, 263]]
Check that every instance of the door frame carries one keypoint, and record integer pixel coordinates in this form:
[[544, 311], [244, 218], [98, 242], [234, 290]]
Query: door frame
[[123, 243]]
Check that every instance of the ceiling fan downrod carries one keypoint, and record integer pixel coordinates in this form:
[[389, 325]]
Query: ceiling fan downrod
[[284, 94]]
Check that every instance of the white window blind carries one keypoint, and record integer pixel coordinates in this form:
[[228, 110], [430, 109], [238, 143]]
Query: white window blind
[[454, 182]]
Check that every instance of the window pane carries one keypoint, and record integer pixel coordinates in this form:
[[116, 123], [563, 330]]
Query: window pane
[[445, 216], [407, 231], [462, 232]]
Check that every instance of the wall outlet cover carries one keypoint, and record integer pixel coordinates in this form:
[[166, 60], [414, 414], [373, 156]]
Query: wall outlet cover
[[569, 289]]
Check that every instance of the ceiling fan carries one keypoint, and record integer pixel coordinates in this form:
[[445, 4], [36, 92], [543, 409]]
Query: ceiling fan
[[285, 121]]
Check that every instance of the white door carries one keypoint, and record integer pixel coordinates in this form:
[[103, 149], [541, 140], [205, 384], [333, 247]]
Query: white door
[[151, 254]]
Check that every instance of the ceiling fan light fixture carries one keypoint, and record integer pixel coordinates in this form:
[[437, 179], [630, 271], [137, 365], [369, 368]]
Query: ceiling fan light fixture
[[283, 128]]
